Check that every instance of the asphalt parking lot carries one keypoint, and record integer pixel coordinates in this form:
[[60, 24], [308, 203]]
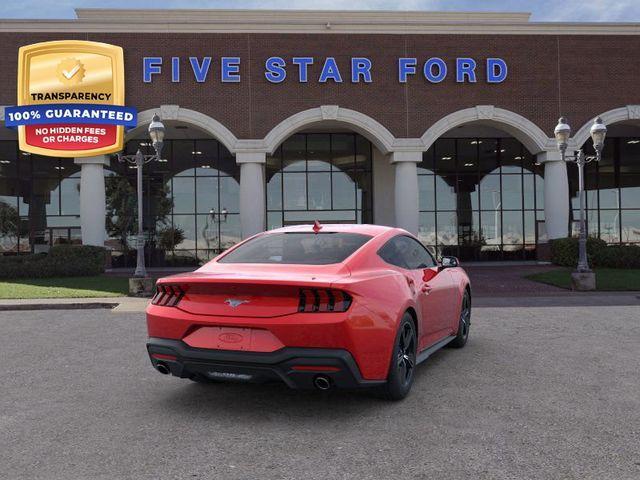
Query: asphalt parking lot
[[544, 392]]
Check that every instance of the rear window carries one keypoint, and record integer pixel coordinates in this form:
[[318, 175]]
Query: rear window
[[297, 248]]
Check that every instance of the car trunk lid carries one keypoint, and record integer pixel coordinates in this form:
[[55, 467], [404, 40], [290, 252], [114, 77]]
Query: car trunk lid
[[239, 290]]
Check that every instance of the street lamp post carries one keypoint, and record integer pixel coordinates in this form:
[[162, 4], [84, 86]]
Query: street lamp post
[[156, 133], [562, 133]]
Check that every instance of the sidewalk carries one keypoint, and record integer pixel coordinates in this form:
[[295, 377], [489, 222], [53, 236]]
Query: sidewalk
[[509, 281], [116, 304]]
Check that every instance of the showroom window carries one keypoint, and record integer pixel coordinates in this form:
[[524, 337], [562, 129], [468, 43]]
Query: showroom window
[[39, 201], [612, 189], [319, 176], [480, 199], [191, 203]]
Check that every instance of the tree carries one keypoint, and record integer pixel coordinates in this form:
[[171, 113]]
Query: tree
[[169, 237], [9, 222], [122, 208]]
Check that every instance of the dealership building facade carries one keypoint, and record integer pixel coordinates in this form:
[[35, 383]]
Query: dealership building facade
[[440, 123]]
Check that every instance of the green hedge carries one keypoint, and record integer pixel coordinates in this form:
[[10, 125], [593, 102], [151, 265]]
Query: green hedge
[[564, 252], [619, 256], [61, 261]]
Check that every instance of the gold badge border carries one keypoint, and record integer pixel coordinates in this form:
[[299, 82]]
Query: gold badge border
[[71, 47]]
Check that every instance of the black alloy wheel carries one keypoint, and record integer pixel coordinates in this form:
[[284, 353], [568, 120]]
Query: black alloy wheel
[[403, 361], [464, 324], [406, 357]]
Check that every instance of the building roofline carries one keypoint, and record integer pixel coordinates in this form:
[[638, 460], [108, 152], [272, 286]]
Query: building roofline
[[279, 16], [310, 21]]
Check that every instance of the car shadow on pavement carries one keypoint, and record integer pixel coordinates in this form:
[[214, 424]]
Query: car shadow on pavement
[[276, 399]]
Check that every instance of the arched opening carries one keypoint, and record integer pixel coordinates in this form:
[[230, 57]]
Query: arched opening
[[321, 173], [191, 199], [612, 186], [39, 199], [321, 166], [480, 195]]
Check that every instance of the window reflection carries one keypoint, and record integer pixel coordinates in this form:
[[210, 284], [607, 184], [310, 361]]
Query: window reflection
[[294, 191], [39, 201], [191, 202], [319, 176], [512, 192], [426, 187], [344, 196], [480, 198], [612, 191], [490, 195], [630, 190], [610, 225], [630, 224], [447, 228], [445, 194], [320, 191], [183, 198], [207, 196]]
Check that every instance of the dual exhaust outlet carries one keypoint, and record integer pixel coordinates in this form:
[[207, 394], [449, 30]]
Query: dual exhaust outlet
[[322, 382], [163, 368]]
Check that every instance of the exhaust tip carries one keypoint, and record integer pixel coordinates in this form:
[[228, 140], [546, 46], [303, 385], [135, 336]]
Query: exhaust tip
[[322, 382], [163, 368]]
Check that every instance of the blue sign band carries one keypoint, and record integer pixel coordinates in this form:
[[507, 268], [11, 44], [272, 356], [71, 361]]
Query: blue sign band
[[70, 113]]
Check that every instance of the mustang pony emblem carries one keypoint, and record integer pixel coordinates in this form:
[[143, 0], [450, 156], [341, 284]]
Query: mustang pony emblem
[[234, 302]]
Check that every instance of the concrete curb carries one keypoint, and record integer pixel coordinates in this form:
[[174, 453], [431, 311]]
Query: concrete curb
[[571, 299], [57, 306], [115, 304]]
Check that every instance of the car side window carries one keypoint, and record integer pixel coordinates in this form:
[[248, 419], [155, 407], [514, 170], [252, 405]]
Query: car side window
[[392, 253], [406, 252], [416, 256]]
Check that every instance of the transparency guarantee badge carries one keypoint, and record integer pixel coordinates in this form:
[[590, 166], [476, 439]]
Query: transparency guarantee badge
[[71, 99]]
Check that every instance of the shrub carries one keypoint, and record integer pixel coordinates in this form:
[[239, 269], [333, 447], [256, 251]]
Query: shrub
[[169, 237], [618, 256], [564, 252], [61, 261]]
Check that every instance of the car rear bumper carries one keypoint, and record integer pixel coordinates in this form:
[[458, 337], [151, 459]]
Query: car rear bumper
[[296, 367]]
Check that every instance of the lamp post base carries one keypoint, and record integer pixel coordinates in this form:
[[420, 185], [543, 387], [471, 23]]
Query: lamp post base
[[583, 281], [141, 287]]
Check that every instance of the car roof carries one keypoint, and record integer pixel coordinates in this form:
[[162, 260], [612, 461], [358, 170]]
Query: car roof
[[365, 229]]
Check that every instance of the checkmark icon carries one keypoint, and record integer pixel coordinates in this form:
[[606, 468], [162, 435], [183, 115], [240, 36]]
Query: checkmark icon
[[71, 73]]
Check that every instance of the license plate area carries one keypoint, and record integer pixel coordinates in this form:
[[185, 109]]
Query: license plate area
[[233, 338]]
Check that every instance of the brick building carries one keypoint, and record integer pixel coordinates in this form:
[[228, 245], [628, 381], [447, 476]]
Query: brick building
[[441, 123]]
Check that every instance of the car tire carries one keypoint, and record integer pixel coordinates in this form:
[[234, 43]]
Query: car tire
[[403, 361], [464, 323]]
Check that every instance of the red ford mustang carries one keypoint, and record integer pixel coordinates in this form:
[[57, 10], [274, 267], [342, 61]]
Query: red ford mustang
[[344, 306]]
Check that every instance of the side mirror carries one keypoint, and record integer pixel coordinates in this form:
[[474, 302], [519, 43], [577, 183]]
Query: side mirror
[[449, 262]]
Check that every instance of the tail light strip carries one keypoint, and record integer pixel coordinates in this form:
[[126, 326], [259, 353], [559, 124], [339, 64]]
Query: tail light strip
[[167, 295], [323, 300]]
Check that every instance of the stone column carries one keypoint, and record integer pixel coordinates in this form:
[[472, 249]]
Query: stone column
[[252, 192], [93, 208], [556, 194], [406, 189]]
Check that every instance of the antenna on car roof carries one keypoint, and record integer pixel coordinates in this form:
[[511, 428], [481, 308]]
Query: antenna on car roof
[[316, 226]]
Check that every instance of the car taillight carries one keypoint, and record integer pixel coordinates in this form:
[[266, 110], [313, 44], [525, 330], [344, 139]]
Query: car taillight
[[167, 295], [318, 300]]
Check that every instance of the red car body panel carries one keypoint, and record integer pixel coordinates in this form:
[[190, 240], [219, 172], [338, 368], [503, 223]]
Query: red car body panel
[[266, 317]]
